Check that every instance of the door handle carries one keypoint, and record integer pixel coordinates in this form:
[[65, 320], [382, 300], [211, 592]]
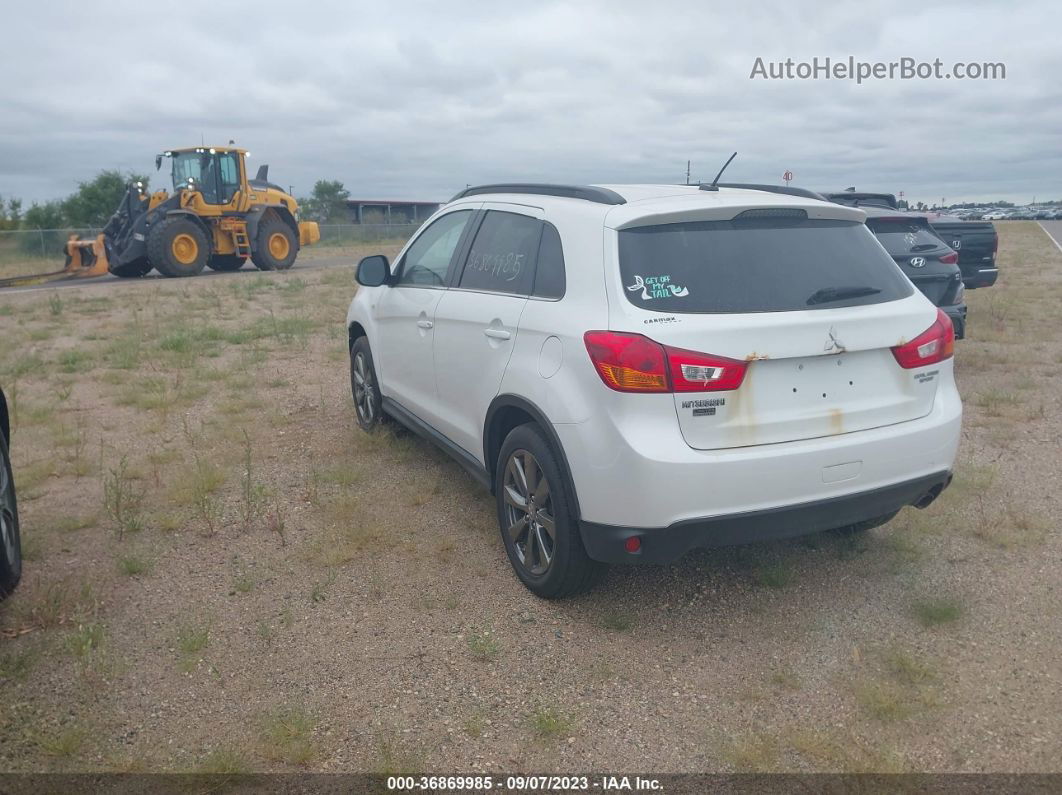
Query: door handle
[[424, 324], [497, 333]]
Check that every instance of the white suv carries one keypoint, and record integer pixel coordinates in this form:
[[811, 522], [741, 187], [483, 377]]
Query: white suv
[[638, 370]]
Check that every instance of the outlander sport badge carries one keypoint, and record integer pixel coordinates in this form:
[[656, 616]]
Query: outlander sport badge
[[918, 262]]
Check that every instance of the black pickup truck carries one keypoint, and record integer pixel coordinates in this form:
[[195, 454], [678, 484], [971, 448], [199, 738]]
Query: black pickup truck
[[975, 241]]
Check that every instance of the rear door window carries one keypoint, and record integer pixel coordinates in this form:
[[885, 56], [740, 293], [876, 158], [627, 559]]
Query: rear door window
[[761, 264], [503, 254], [550, 280]]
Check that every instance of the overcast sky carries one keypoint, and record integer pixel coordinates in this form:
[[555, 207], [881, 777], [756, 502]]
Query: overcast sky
[[414, 100]]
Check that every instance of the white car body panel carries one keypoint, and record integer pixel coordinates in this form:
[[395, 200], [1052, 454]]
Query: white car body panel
[[636, 460]]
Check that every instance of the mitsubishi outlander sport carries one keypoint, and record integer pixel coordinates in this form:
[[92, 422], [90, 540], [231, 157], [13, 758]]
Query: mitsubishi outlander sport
[[636, 371]]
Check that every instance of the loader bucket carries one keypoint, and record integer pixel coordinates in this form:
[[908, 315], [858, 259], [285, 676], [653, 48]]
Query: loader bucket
[[84, 259]]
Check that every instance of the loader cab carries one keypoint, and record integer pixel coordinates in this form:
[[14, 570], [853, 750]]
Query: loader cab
[[217, 174]]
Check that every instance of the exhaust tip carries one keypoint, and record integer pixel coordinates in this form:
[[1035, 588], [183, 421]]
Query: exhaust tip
[[927, 499]]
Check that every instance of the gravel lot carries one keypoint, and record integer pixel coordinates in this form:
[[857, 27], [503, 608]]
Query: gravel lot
[[224, 574]]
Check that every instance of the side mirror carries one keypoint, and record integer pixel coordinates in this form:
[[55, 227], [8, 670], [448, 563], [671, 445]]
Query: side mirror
[[373, 271]]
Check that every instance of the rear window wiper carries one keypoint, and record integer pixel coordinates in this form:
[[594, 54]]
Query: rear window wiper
[[923, 247], [827, 294]]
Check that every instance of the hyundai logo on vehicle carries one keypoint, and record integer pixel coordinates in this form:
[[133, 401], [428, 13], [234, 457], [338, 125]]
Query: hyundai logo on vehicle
[[918, 262]]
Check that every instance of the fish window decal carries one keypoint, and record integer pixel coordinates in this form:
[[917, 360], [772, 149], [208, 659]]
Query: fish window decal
[[657, 287]]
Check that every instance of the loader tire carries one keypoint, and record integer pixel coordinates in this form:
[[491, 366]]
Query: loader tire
[[133, 270], [178, 247], [226, 262], [276, 246]]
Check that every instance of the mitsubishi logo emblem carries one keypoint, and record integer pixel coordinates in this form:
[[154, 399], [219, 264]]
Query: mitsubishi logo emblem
[[918, 262], [833, 344]]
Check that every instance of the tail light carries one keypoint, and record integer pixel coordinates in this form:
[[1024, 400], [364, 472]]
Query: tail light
[[933, 345], [995, 247], [628, 362], [950, 259], [633, 363]]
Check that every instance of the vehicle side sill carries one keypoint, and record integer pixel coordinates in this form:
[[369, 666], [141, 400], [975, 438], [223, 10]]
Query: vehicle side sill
[[423, 429]]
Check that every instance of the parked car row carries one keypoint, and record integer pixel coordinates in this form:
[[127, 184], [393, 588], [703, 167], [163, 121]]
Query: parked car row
[[1011, 214], [636, 371], [973, 243]]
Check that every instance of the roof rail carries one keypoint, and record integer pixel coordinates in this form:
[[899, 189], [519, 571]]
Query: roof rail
[[589, 193], [788, 191]]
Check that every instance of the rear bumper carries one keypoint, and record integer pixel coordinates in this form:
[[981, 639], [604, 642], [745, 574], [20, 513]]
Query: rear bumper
[[663, 545], [633, 468], [957, 313], [974, 277]]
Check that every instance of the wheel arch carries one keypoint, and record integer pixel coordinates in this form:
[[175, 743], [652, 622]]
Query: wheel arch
[[507, 412], [354, 331], [203, 225], [258, 214], [5, 419]]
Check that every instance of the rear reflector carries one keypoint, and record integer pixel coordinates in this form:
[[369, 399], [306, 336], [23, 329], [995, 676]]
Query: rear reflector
[[632, 544], [634, 363], [933, 345]]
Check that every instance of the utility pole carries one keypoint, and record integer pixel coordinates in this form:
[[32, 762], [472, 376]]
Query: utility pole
[[687, 172]]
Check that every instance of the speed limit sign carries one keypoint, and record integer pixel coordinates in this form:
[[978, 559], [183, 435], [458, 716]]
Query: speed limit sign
[[787, 176]]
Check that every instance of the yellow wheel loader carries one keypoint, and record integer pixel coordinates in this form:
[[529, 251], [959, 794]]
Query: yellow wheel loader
[[216, 217]]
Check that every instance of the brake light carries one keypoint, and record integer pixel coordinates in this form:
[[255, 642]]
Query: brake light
[[933, 345], [634, 363], [950, 259], [628, 362]]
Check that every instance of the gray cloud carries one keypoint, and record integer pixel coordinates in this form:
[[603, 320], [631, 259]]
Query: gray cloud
[[415, 101]]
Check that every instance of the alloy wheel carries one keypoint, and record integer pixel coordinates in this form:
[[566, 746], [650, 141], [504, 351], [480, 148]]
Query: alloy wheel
[[363, 390], [530, 519]]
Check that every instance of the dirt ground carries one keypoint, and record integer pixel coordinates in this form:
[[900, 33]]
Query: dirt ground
[[223, 574]]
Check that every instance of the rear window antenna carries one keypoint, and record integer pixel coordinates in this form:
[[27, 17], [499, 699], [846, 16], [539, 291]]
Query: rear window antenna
[[714, 185]]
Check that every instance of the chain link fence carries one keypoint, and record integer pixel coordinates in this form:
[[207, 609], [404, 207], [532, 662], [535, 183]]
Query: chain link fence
[[355, 234], [39, 244]]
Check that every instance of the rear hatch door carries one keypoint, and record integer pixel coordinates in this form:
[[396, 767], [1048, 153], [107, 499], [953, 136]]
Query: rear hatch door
[[918, 250], [976, 242], [812, 306]]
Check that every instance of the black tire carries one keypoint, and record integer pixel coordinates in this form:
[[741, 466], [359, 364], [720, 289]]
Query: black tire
[[364, 387], [226, 263], [178, 247], [866, 524], [552, 567], [10, 542], [276, 245], [133, 270]]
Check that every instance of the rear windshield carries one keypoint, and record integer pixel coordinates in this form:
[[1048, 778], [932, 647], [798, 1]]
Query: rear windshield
[[902, 237], [762, 265]]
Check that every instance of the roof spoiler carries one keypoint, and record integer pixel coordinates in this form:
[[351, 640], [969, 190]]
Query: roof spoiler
[[784, 189], [588, 193]]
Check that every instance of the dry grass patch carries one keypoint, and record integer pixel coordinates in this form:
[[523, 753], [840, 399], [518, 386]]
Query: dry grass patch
[[287, 735]]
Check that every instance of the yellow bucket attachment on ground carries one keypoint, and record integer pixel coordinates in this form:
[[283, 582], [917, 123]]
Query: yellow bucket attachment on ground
[[84, 259]]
